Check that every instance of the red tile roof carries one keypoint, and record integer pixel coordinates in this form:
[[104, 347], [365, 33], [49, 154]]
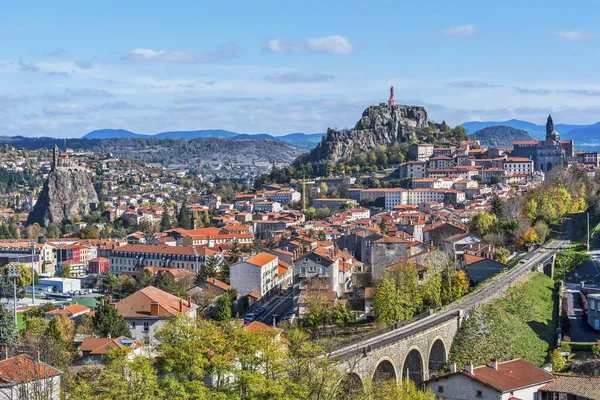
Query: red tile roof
[[138, 304], [22, 369], [261, 259]]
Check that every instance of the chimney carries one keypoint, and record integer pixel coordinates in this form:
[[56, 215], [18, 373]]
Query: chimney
[[189, 301], [154, 309], [469, 368], [494, 364], [452, 367], [180, 306]]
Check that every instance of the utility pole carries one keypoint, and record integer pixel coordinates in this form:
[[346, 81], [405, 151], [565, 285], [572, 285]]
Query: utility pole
[[303, 193], [32, 244], [588, 231], [14, 271]]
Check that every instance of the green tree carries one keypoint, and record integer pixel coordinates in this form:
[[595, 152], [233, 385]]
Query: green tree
[[145, 279], [66, 271], [557, 360], [110, 284], [211, 267], [223, 308], [52, 231], [596, 349], [165, 220], [8, 332], [184, 219], [108, 321], [483, 223], [406, 390]]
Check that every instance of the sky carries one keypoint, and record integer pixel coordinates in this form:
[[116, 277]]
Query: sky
[[70, 67]]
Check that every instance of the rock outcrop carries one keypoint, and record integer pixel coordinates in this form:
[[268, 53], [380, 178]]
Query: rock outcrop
[[379, 125], [67, 192]]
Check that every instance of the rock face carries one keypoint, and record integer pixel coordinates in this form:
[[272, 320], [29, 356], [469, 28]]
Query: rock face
[[67, 192], [379, 125]]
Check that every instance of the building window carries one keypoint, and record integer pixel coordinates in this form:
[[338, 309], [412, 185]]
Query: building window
[[133, 325], [479, 394], [440, 389], [146, 327]]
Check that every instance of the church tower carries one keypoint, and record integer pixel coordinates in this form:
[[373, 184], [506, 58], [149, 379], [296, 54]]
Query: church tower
[[392, 101], [551, 134]]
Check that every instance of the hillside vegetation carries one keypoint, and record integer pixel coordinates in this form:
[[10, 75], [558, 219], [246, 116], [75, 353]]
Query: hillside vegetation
[[500, 136], [521, 324]]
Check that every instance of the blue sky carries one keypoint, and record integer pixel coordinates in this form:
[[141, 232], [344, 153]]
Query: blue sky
[[67, 68]]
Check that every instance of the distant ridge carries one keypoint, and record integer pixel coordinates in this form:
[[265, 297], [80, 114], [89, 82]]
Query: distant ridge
[[500, 136], [302, 140], [536, 131]]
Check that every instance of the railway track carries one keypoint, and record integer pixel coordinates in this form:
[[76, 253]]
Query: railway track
[[481, 296]]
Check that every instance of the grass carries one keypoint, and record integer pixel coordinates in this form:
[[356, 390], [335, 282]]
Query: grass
[[20, 320], [512, 326]]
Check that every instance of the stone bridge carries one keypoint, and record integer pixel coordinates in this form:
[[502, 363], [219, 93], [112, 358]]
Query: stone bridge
[[413, 352], [419, 348]]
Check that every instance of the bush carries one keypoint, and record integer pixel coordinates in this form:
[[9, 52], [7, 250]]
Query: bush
[[582, 346]]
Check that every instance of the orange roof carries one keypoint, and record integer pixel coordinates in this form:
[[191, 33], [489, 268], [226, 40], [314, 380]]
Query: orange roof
[[22, 369], [69, 310], [261, 259], [254, 295], [139, 303], [257, 326], [165, 249], [99, 346], [218, 283], [471, 259]]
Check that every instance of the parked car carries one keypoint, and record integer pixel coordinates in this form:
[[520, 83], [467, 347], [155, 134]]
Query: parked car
[[259, 311], [250, 317]]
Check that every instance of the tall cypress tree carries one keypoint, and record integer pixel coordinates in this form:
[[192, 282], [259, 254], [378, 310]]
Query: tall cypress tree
[[8, 332], [184, 217], [165, 221]]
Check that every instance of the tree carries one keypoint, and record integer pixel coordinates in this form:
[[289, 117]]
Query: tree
[[184, 217], [501, 255], [406, 390], [206, 218], [66, 271], [223, 311], [497, 206], [165, 220], [52, 231], [383, 228], [210, 268], [110, 284], [145, 279], [108, 321], [483, 223], [8, 331], [225, 273], [596, 349], [461, 283], [557, 360]]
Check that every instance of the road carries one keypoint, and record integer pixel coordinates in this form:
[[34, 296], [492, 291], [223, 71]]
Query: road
[[479, 297], [279, 307], [580, 331]]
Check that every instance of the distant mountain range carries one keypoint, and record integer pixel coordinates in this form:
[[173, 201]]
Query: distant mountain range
[[585, 136], [302, 140], [500, 136]]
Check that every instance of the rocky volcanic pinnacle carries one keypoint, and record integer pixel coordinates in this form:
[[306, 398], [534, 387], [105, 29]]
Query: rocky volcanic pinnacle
[[67, 192], [379, 125]]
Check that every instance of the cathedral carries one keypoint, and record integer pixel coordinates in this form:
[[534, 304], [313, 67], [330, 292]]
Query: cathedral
[[546, 154]]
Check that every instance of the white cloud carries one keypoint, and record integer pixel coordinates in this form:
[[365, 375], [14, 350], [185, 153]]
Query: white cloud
[[334, 44], [13, 100], [573, 35], [299, 77], [185, 56], [459, 31], [65, 109], [88, 92]]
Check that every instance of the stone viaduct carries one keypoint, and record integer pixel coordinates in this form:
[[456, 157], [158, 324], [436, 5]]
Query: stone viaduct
[[419, 348]]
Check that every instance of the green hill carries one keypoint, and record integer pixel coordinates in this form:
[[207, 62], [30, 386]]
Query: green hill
[[500, 136], [513, 326]]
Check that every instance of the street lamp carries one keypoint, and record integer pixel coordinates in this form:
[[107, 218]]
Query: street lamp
[[196, 255], [32, 247], [14, 271]]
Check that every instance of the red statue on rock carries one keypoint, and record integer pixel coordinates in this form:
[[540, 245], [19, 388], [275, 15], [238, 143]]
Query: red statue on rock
[[391, 101]]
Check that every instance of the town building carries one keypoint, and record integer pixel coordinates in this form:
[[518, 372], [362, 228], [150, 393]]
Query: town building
[[21, 377], [515, 379], [148, 309], [258, 274], [546, 154]]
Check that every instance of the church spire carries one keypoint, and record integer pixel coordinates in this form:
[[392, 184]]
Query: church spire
[[391, 101], [549, 128]]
